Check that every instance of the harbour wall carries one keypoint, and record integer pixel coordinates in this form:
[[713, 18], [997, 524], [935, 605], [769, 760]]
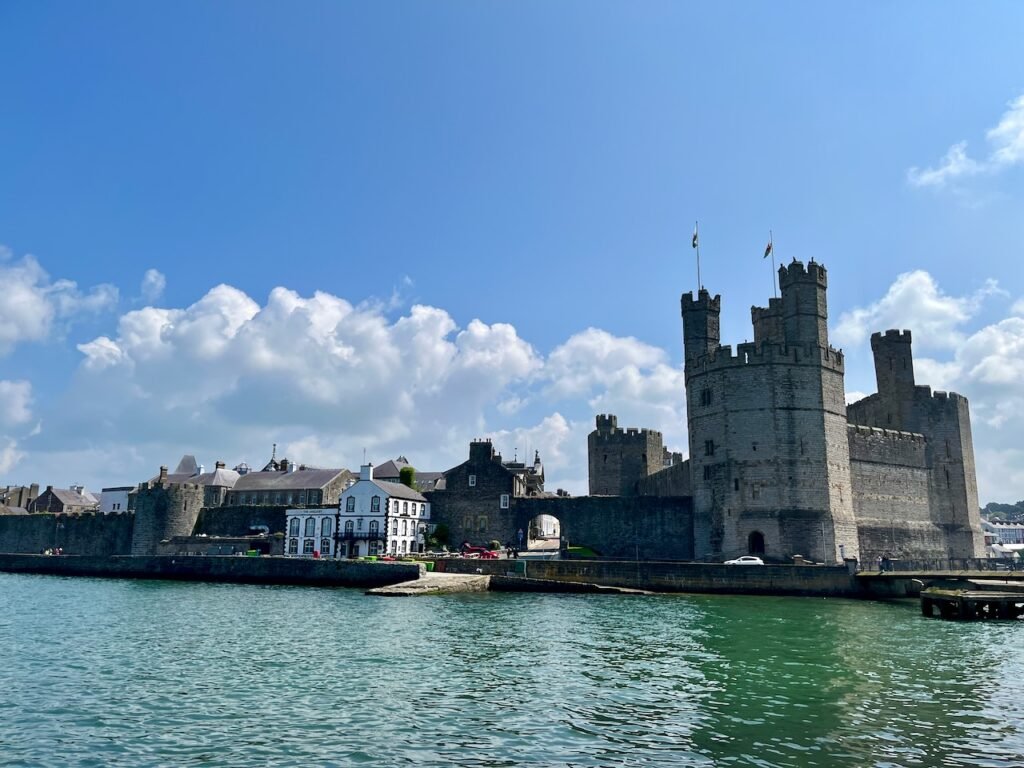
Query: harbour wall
[[248, 570], [655, 576]]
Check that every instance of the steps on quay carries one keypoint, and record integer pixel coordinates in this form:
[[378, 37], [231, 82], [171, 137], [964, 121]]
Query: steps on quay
[[430, 583]]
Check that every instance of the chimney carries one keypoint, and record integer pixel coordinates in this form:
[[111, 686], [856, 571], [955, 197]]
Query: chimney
[[163, 475], [220, 465], [199, 470], [366, 472], [284, 465]]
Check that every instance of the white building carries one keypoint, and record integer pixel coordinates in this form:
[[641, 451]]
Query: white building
[[374, 517], [311, 530], [115, 499]]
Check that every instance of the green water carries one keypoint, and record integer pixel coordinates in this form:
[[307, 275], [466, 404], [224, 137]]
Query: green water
[[146, 673]]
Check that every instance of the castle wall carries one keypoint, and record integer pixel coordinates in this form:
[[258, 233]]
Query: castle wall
[[891, 478], [614, 526], [671, 481], [162, 512], [240, 520], [85, 533]]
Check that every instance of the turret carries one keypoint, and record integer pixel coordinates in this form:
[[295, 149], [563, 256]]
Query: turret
[[701, 334], [804, 307], [894, 363]]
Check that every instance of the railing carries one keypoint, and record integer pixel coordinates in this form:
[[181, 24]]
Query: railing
[[948, 564], [361, 535]]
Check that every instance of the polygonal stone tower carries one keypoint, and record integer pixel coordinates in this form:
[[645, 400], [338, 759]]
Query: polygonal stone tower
[[769, 454]]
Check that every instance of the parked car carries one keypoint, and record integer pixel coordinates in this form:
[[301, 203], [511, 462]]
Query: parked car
[[745, 560], [489, 555], [468, 551]]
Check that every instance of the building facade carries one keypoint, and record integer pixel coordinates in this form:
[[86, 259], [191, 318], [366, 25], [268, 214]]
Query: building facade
[[373, 518]]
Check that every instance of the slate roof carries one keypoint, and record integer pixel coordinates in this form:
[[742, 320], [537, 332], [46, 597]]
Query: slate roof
[[298, 480], [223, 478], [13, 510], [389, 469], [399, 491], [187, 465], [68, 497]]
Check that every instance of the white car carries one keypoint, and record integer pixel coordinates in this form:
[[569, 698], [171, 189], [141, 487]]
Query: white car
[[745, 560]]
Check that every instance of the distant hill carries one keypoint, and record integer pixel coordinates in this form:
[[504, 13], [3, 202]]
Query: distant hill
[[1008, 512]]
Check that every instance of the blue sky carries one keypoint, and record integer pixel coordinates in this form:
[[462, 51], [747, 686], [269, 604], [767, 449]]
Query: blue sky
[[534, 166]]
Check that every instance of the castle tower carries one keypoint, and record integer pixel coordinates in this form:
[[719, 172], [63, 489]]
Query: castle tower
[[701, 334], [769, 452], [618, 458], [944, 421], [163, 511], [804, 308], [894, 374]]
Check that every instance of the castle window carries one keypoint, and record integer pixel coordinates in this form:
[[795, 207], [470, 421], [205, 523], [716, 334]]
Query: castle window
[[472, 481], [947, 478], [705, 397], [736, 484], [504, 501], [643, 458], [755, 491], [709, 447], [606, 458], [801, 446], [753, 446], [707, 471]]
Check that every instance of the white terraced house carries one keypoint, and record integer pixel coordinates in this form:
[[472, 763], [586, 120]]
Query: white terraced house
[[374, 517], [379, 517]]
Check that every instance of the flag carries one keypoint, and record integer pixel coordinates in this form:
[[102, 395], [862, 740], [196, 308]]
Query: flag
[[767, 250], [694, 237]]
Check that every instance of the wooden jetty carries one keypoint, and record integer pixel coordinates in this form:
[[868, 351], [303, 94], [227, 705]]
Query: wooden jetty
[[972, 600]]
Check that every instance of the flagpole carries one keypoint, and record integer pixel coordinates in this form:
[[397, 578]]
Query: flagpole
[[775, 276], [696, 235]]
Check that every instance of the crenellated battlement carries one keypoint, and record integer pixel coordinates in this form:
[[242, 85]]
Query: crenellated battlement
[[891, 336], [771, 354], [796, 272], [889, 434], [703, 302]]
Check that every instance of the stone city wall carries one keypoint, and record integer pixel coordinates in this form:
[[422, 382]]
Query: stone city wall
[[85, 533]]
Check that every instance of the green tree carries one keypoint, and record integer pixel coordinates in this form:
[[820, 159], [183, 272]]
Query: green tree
[[407, 476]]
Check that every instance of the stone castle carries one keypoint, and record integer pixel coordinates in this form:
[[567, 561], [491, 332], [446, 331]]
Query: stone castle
[[780, 464]]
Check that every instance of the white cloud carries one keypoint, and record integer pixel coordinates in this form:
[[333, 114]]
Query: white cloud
[[324, 378], [915, 301], [33, 304], [15, 403], [153, 284], [1007, 150], [9, 454], [985, 363]]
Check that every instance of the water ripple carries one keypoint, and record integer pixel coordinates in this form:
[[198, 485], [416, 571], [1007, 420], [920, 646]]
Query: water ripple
[[128, 673]]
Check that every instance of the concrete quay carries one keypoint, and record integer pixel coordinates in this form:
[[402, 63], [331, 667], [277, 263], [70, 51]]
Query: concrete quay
[[435, 584]]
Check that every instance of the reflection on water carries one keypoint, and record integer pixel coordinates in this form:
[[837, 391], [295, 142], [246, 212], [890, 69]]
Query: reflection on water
[[126, 673]]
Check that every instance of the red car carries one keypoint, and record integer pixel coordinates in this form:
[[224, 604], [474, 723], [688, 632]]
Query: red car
[[489, 554], [468, 551]]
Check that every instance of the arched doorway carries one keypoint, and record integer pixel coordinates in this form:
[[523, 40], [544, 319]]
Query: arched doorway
[[544, 533], [755, 543]]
